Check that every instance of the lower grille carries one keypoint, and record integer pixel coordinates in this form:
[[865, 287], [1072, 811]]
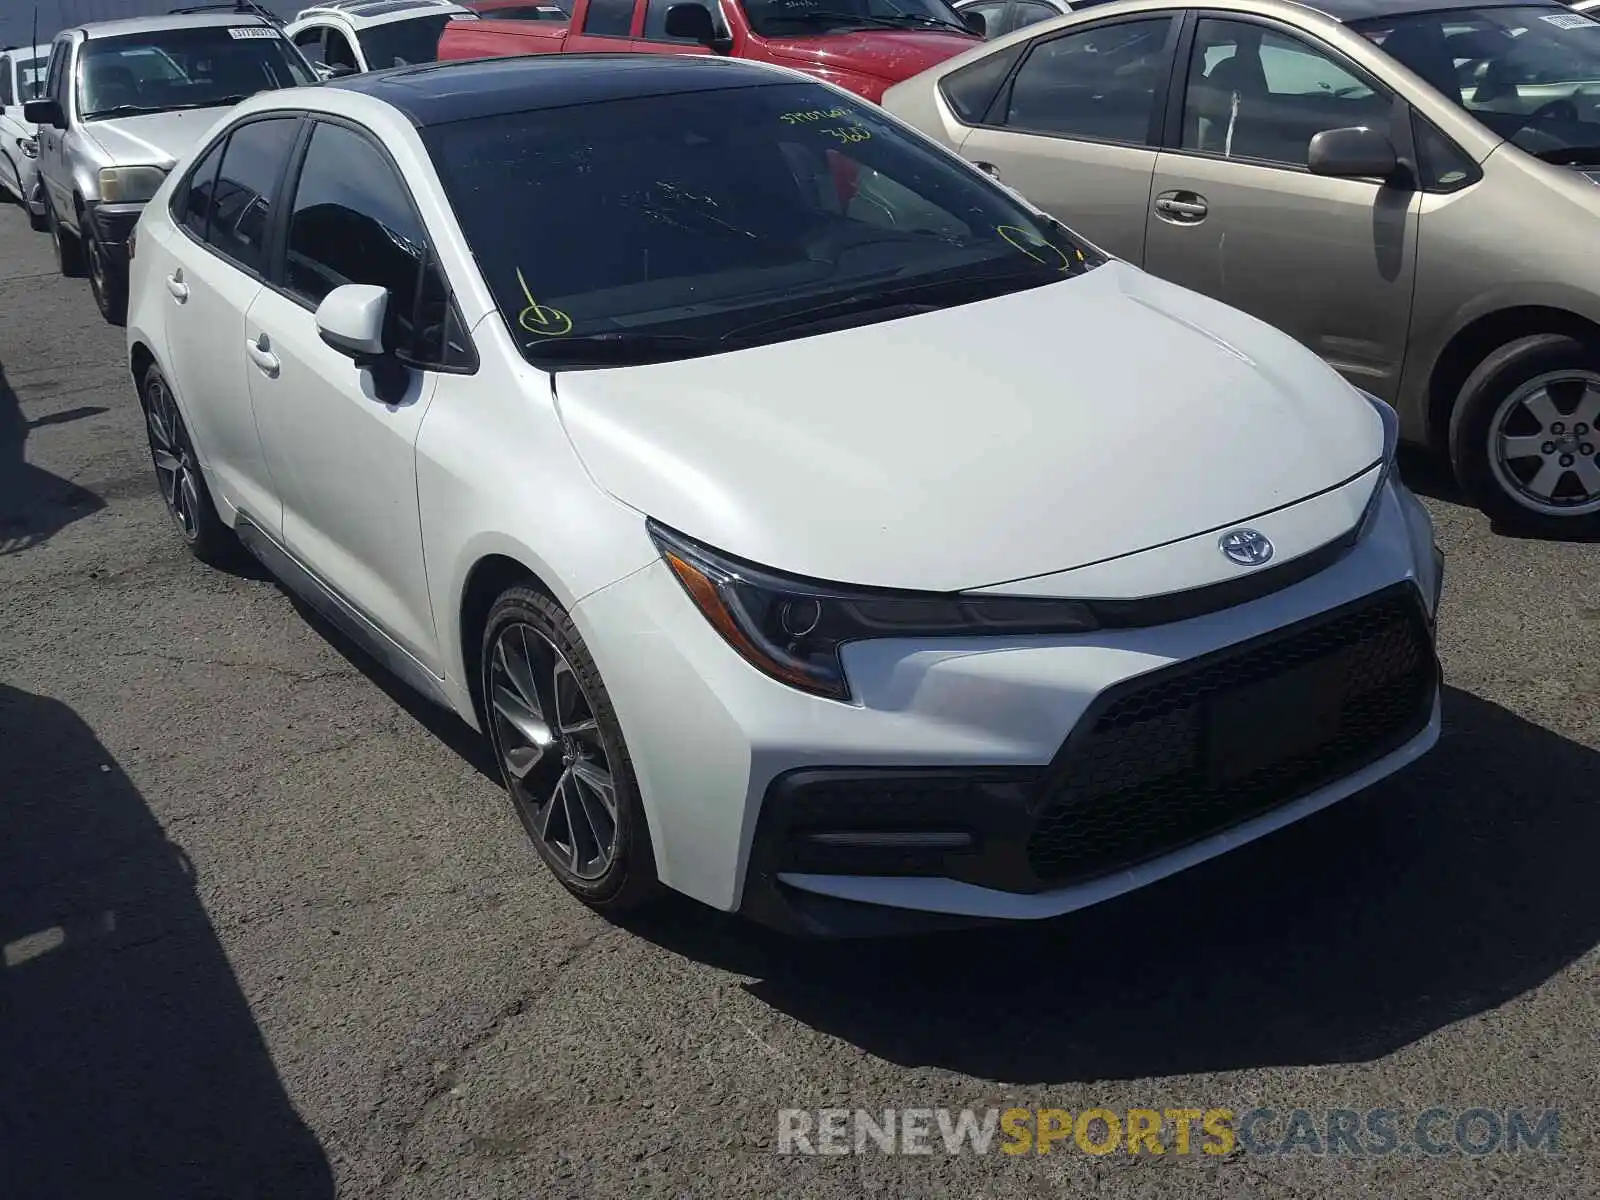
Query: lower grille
[[1182, 753]]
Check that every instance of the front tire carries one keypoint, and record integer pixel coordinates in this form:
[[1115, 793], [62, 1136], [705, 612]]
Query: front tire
[[562, 755], [107, 280], [69, 251], [178, 473], [1525, 436]]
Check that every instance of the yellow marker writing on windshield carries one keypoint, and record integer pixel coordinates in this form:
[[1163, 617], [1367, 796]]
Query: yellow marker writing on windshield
[[540, 319], [1034, 246]]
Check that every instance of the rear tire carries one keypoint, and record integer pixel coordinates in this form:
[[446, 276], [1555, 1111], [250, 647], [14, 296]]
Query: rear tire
[[178, 474], [1519, 430], [69, 251], [562, 755]]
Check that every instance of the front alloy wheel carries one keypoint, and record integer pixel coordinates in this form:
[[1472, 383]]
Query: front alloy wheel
[[1544, 447], [551, 749], [562, 754]]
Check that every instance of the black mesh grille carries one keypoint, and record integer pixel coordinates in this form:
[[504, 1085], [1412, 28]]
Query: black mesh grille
[[1188, 751]]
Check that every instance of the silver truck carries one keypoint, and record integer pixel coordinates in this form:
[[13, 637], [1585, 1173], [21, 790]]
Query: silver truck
[[123, 102]]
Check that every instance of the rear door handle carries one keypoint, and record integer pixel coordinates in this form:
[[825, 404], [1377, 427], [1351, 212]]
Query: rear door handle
[[260, 352], [176, 285], [1183, 208]]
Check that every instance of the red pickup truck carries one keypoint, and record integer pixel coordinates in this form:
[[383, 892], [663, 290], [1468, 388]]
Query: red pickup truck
[[862, 45]]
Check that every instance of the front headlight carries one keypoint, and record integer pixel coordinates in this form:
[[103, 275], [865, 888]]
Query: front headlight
[[792, 629], [130, 185], [1391, 446]]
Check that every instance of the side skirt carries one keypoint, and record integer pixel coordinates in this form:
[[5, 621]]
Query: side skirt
[[339, 611]]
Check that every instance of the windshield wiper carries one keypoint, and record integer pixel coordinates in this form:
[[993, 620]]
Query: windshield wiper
[[619, 348], [124, 110], [924, 19], [816, 17], [1570, 156], [913, 296]]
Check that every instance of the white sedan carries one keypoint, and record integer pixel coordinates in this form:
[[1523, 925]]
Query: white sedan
[[814, 527]]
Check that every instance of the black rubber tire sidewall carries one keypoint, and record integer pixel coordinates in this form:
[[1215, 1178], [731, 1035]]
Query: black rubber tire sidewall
[[631, 879], [69, 254], [1495, 378], [111, 294], [213, 542]]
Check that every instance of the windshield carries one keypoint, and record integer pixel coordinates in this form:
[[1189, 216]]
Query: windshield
[[802, 18], [197, 67], [401, 43], [30, 78], [1531, 74], [680, 224]]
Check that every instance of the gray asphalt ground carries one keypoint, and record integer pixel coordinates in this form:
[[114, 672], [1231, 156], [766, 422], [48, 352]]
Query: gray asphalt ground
[[271, 930]]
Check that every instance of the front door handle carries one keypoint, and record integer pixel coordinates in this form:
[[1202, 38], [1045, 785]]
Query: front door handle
[[176, 285], [260, 352], [1182, 208]]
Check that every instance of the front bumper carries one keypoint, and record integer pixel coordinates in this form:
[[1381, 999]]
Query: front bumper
[[1075, 768], [113, 224]]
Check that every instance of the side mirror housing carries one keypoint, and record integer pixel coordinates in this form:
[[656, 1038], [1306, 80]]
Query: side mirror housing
[[350, 320], [691, 22], [977, 22], [1357, 152], [44, 112]]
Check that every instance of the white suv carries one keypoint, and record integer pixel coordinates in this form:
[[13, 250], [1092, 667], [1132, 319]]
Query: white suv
[[814, 527], [346, 37]]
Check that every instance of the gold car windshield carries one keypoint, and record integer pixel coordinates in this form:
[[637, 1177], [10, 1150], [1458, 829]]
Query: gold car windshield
[[1530, 73]]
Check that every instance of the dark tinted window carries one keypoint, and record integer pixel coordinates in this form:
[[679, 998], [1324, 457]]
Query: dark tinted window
[[191, 203], [338, 52], [195, 67], [1443, 165], [1256, 93], [993, 15], [609, 18], [246, 189], [353, 223], [5, 83], [56, 82], [1099, 83], [971, 89], [655, 20], [1028, 13], [310, 43], [401, 43], [719, 215]]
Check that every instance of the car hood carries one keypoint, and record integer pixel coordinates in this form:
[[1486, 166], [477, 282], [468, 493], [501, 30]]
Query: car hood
[[157, 139], [891, 55], [1013, 437]]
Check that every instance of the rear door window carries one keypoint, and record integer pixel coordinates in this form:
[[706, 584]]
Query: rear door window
[[240, 211]]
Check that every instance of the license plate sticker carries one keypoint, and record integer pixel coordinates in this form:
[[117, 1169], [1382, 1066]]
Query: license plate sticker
[[1274, 720], [240, 33]]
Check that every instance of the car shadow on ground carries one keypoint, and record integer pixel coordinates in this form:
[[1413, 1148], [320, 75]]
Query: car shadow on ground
[[34, 504], [1428, 474], [1446, 891], [133, 1067]]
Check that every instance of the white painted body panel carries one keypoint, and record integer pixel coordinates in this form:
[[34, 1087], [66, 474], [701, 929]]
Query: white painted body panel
[[971, 447]]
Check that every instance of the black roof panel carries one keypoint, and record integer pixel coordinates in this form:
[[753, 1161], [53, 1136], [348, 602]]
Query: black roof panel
[[437, 93]]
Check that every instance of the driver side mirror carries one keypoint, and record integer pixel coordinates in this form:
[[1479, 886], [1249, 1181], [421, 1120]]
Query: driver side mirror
[[976, 21], [44, 112], [692, 22], [350, 320], [1357, 152]]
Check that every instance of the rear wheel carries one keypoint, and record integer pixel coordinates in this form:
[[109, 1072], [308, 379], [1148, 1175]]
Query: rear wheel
[[69, 251], [562, 754], [183, 486], [1525, 435]]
